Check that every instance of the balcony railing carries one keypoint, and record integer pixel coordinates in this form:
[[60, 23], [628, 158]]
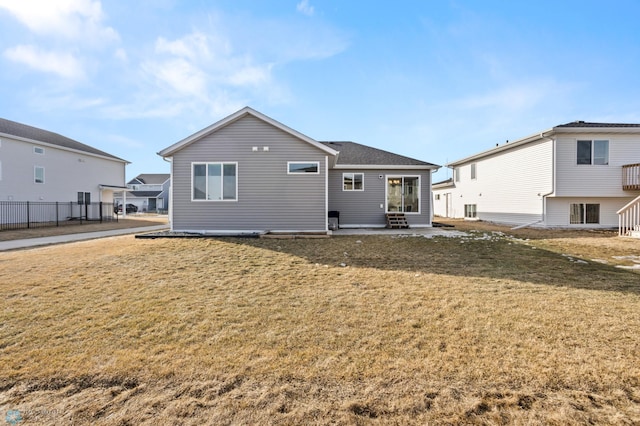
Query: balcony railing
[[631, 176]]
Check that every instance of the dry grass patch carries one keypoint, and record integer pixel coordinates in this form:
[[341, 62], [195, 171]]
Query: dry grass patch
[[73, 227], [480, 330]]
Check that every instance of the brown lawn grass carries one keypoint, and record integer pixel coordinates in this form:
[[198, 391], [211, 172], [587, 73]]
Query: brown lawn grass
[[72, 227], [485, 329]]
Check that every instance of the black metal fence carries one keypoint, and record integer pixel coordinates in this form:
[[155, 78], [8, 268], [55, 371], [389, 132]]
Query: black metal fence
[[39, 214]]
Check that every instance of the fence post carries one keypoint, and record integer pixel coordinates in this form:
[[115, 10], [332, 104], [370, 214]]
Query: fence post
[[57, 215], [28, 217], [100, 211]]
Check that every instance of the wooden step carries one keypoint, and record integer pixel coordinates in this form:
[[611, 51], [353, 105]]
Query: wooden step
[[396, 221]]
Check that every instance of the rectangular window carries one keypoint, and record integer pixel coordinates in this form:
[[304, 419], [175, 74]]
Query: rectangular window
[[437, 196], [470, 211], [593, 152], [38, 174], [38, 150], [215, 181], [473, 171], [584, 214], [294, 168], [456, 174], [353, 182], [84, 198], [403, 194]]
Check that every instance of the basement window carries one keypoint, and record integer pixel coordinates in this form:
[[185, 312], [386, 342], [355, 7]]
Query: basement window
[[584, 214], [470, 211]]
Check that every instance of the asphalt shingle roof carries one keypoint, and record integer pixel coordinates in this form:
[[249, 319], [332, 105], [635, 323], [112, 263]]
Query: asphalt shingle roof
[[20, 130], [352, 153], [589, 124], [150, 178]]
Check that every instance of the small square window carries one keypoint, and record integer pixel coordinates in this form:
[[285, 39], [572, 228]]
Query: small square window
[[353, 182], [38, 174]]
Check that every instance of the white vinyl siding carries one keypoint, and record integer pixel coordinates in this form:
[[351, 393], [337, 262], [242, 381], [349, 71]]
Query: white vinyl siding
[[510, 186], [580, 180]]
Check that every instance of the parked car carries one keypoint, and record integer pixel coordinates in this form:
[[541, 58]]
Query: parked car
[[131, 208]]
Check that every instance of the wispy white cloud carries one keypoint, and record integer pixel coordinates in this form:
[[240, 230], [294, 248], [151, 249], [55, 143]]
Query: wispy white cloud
[[78, 20], [305, 8], [63, 64]]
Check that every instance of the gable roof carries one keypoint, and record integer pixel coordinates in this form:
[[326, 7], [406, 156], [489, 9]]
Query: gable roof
[[355, 155], [39, 136], [572, 127], [246, 111], [150, 179]]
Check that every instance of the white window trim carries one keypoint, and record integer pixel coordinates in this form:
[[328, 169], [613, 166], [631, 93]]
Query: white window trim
[[353, 178], [36, 148], [35, 168], [474, 171], [584, 217], [317, 163], [593, 152], [386, 193], [206, 163]]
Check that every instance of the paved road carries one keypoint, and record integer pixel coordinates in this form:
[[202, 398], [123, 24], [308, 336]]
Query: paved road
[[58, 239]]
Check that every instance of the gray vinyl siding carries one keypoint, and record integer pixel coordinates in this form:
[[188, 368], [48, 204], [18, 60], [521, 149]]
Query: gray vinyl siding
[[363, 208], [269, 199]]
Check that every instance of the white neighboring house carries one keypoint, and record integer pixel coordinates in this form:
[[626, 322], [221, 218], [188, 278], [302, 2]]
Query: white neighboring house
[[38, 165], [149, 192], [578, 174]]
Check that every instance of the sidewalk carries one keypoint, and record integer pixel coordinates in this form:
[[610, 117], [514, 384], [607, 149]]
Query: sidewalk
[[59, 239]]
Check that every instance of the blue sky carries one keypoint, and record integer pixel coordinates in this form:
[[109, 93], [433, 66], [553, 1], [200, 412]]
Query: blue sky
[[435, 80]]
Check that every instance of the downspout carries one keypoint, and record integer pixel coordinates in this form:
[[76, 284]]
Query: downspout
[[553, 176], [326, 193], [170, 206], [553, 184]]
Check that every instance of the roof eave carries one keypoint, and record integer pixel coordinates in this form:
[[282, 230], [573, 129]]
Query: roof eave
[[64, 148], [386, 167], [596, 129], [504, 147]]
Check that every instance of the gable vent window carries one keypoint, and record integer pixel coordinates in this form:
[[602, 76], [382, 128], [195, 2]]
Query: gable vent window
[[38, 150]]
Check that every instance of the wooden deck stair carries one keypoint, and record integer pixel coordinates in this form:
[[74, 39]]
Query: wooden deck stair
[[396, 221]]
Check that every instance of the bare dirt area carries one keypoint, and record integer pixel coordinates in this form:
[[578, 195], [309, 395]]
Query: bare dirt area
[[489, 328]]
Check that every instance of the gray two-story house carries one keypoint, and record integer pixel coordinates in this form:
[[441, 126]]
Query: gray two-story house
[[249, 173]]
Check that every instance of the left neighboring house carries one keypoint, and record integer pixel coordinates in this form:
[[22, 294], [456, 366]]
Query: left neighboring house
[[149, 192], [39, 165]]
